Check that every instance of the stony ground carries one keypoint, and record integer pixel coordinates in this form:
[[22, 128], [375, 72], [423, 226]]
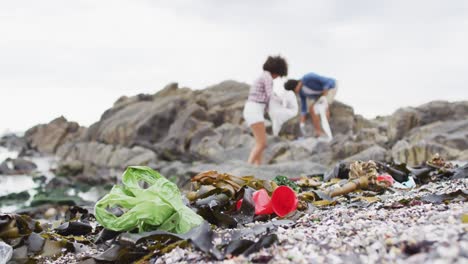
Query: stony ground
[[383, 232]]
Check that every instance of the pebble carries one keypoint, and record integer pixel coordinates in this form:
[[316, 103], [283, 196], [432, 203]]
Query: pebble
[[375, 234]]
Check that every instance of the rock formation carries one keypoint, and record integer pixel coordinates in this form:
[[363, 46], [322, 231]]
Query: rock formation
[[182, 131]]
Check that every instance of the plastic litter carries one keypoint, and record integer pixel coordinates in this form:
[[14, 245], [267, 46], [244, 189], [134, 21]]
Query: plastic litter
[[282, 108], [386, 178], [262, 202], [159, 206], [320, 107], [282, 202], [410, 183], [6, 251]]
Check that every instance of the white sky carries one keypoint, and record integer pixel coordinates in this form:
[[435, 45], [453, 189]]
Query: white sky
[[75, 58]]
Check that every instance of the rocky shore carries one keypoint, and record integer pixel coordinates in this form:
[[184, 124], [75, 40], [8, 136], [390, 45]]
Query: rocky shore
[[386, 231], [181, 132]]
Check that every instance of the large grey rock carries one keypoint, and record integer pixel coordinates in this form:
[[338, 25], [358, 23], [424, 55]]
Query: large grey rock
[[405, 119], [13, 142], [375, 152], [303, 149], [443, 111], [416, 153], [452, 134], [372, 135], [155, 119], [226, 142], [448, 138], [342, 121], [17, 166], [106, 156], [401, 122], [46, 138], [346, 146]]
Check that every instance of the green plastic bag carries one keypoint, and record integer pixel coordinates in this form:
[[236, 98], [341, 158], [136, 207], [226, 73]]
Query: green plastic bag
[[159, 206]]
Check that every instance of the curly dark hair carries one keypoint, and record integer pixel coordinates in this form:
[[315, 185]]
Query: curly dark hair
[[290, 84], [276, 65]]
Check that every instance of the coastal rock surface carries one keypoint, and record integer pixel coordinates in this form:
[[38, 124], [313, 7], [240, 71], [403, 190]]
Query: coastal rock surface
[[46, 138], [178, 126]]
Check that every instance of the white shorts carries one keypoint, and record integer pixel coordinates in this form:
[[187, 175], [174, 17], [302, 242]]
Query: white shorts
[[254, 113]]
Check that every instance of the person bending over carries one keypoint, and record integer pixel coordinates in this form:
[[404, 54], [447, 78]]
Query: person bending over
[[310, 88], [257, 104]]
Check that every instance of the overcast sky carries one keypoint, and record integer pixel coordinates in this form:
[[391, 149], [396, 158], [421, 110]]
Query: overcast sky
[[75, 58]]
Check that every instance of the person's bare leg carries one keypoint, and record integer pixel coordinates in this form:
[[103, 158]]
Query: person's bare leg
[[259, 132], [315, 121]]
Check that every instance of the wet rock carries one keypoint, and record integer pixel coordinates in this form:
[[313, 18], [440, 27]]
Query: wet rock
[[14, 198], [17, 166], [13, 142], [23, 165]]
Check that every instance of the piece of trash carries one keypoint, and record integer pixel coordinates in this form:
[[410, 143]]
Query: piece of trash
[[340, 171], [282, 202], [405, 185], [159, 206], [386, 178], [262, 202]]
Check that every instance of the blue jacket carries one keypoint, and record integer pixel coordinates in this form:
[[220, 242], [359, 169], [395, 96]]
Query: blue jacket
[[313, 86], [314, 83]]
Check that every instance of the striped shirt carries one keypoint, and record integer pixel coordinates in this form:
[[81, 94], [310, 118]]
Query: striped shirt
[[262, 89]]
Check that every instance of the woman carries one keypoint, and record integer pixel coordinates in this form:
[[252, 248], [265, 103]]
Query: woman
[[257, 104]]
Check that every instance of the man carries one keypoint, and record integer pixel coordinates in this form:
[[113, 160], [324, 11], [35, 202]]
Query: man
[[310, 88]]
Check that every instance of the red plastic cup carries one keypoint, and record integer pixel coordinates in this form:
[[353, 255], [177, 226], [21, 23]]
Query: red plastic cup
[[387, 178], [262, 202], [283, 201]]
